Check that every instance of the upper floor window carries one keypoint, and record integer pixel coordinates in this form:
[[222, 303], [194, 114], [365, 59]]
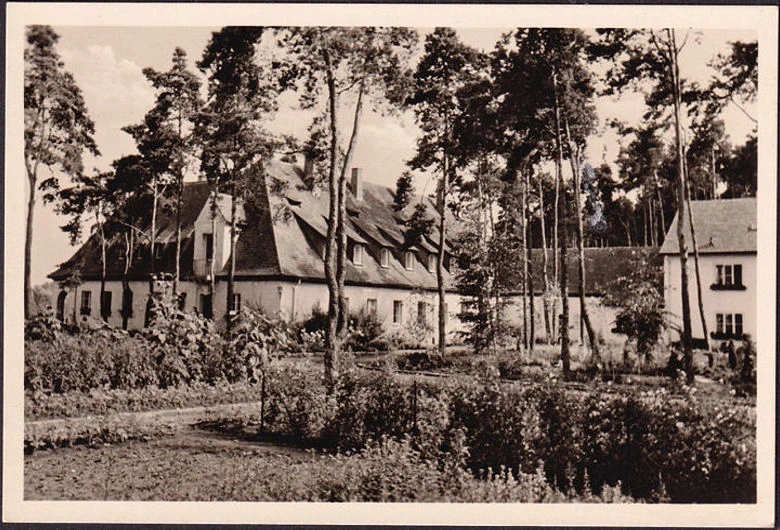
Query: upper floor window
[[431, 262], [357, 254], [86, 302], [384, 257], [409, 260], [729, 277], [158, 250]]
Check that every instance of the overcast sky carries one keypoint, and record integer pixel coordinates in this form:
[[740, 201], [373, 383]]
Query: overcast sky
[[107, 62]]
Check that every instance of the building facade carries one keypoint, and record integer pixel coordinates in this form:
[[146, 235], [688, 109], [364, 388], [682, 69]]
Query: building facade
[[280, 250], [726, 236]]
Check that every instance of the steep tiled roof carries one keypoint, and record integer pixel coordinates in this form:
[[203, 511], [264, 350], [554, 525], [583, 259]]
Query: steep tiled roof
[[87, 257], [283, 231], [370, 221], [722, 226]]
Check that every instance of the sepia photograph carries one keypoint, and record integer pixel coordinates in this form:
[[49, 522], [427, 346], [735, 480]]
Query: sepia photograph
[[308, 263]]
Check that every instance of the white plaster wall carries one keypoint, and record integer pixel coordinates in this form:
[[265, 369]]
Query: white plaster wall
[[743, 302], [221, 239]]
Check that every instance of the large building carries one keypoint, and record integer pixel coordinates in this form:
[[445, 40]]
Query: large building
[[726, 236], [279, 257]]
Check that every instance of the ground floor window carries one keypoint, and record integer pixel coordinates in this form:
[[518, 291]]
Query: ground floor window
[[371, 305], [728, 326], [422, 313], [105, 307], [127, 303], [398, 311], [61, 305], [86, 302], [235, 303], [206, 308]]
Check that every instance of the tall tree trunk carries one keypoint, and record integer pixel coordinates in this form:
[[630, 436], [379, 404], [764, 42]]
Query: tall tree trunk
[[442, 207], [523, 253], [564, 287], [341, 238], [545, 280], [153, 237], [528, 265], [332, 343], [584, 316], [125, 282], [231, 283], [103, 308], [28, 241], [683, 247], [177, 270], [700, 299]]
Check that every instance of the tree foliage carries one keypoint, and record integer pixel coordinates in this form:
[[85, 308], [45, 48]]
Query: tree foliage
[[57, 127]]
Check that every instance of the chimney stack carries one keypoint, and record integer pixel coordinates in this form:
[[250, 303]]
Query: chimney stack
[[357, 183]]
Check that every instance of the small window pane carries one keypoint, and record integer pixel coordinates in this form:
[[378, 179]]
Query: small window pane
[[729, 325], [86, 302], [409, 261], [357, 254], [398, 309], [719, 268], [727, 272], [385, 258], [719, 323], [431, 262], [738, 325]]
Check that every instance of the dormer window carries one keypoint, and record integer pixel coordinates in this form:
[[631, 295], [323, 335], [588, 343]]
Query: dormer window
[[409, 260], [431, 262], [158, 250], [357, 254], [728, 277], [384, 258]]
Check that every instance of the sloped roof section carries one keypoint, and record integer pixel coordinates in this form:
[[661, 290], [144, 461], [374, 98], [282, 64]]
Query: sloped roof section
[[722, 226], [87, 258], [371, 222]]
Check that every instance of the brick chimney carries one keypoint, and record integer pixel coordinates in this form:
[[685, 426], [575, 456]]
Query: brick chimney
[[357, 183]]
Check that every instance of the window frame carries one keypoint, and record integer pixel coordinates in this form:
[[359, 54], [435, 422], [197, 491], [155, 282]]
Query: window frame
[[372, 305], [384, 257], [398, 311], [106, 303], [358, 253], [409, 260], [728, 277], [85, 307], [728, 326], [432, 261]]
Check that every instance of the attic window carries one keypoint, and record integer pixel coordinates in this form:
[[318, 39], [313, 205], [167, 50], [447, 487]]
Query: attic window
[[158, 250], [293, 202], [384, 257], [409, 260], [353, 213], [431, 262], [357, 254]]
